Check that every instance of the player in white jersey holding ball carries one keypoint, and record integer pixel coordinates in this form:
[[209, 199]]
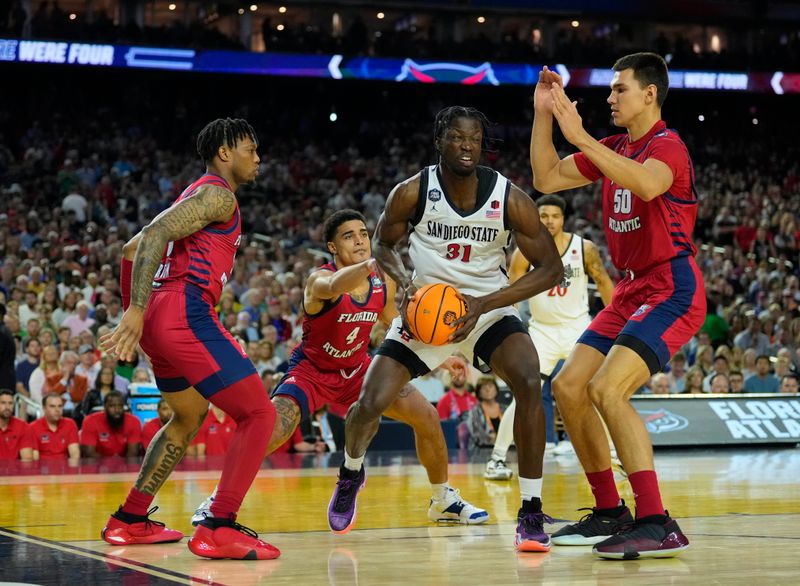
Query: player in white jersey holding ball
[[558, 316], [461, 217]]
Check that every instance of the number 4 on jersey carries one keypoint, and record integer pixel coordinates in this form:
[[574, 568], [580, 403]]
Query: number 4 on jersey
[[351, 337]]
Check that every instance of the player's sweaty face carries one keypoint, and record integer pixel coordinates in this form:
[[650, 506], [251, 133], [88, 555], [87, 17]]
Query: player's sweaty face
[[626, 98], [552, 218], [246, 160], [352, 242], [460, 145]]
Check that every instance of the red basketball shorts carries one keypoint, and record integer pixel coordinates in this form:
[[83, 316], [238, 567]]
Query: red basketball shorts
[[311, 388], [654, 314], [188, 346]]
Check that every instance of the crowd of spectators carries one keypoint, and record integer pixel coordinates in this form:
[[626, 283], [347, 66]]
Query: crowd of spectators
[[596, 42], [74, 187], [49, 21]]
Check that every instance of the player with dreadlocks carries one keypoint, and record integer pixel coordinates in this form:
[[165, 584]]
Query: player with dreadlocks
[[461, 216], [181, 262]]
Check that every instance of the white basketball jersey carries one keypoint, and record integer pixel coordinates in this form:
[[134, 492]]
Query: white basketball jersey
[[465, 249], [569, 300]]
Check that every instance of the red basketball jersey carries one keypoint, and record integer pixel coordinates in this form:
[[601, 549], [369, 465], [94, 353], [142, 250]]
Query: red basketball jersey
[[338, 336], [642, 234], [204, 258]]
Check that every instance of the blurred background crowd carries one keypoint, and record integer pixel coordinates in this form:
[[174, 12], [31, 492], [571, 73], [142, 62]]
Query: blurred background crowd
[[88, 158]]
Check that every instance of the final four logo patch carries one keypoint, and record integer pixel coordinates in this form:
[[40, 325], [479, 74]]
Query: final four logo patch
[[434, 195]]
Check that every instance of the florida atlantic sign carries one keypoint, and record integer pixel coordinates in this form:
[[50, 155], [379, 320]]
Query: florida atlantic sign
[[723, 419]]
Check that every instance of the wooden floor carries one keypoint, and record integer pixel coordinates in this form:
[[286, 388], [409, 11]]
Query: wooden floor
[[740, 509]]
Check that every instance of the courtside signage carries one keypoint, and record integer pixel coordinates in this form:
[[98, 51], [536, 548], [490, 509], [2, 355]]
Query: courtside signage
[[724, 419]]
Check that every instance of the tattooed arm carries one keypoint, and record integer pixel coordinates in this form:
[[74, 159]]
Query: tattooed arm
[[596, 270], [208, 205]]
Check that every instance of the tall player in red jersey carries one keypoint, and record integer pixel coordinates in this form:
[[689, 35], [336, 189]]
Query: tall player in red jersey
[[184, 258], [343, 300], [649, 210]]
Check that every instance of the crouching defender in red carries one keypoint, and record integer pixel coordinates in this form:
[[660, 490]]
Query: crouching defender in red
[[183, 259]]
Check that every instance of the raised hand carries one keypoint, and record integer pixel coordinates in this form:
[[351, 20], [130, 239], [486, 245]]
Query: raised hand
[[566, 114], [542, 97]]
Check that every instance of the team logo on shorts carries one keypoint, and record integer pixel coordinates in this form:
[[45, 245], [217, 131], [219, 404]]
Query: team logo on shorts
[[644, 308], [663, 421], [449, 317]]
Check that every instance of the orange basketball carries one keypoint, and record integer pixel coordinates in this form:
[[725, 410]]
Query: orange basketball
[[432, 310]]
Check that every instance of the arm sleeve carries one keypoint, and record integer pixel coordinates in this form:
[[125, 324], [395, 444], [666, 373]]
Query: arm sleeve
[[126, 270]]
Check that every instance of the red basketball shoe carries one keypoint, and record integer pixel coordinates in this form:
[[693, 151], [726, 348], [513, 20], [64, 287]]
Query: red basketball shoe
[[127, 529], [219, 538]]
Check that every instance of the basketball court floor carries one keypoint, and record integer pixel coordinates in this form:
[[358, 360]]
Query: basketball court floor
[[740, 509]]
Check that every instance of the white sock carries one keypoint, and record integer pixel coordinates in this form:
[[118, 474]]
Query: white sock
[[439, 490], [530, 488], [353, 464], [505, 433]]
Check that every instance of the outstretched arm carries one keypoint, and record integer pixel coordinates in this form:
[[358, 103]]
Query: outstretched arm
[[323, 285], [208, 205], [598, 273]]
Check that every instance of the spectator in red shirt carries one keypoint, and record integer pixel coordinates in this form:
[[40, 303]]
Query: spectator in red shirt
[[215, 434], [111, 432], [150, 428], [458, 399], [54, 436], [16, 441]]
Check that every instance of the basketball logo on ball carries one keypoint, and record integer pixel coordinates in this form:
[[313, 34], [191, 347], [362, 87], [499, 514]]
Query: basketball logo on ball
[[432, 311]]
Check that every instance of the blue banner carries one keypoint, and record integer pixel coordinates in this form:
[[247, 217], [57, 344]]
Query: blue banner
[[365, 68]]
